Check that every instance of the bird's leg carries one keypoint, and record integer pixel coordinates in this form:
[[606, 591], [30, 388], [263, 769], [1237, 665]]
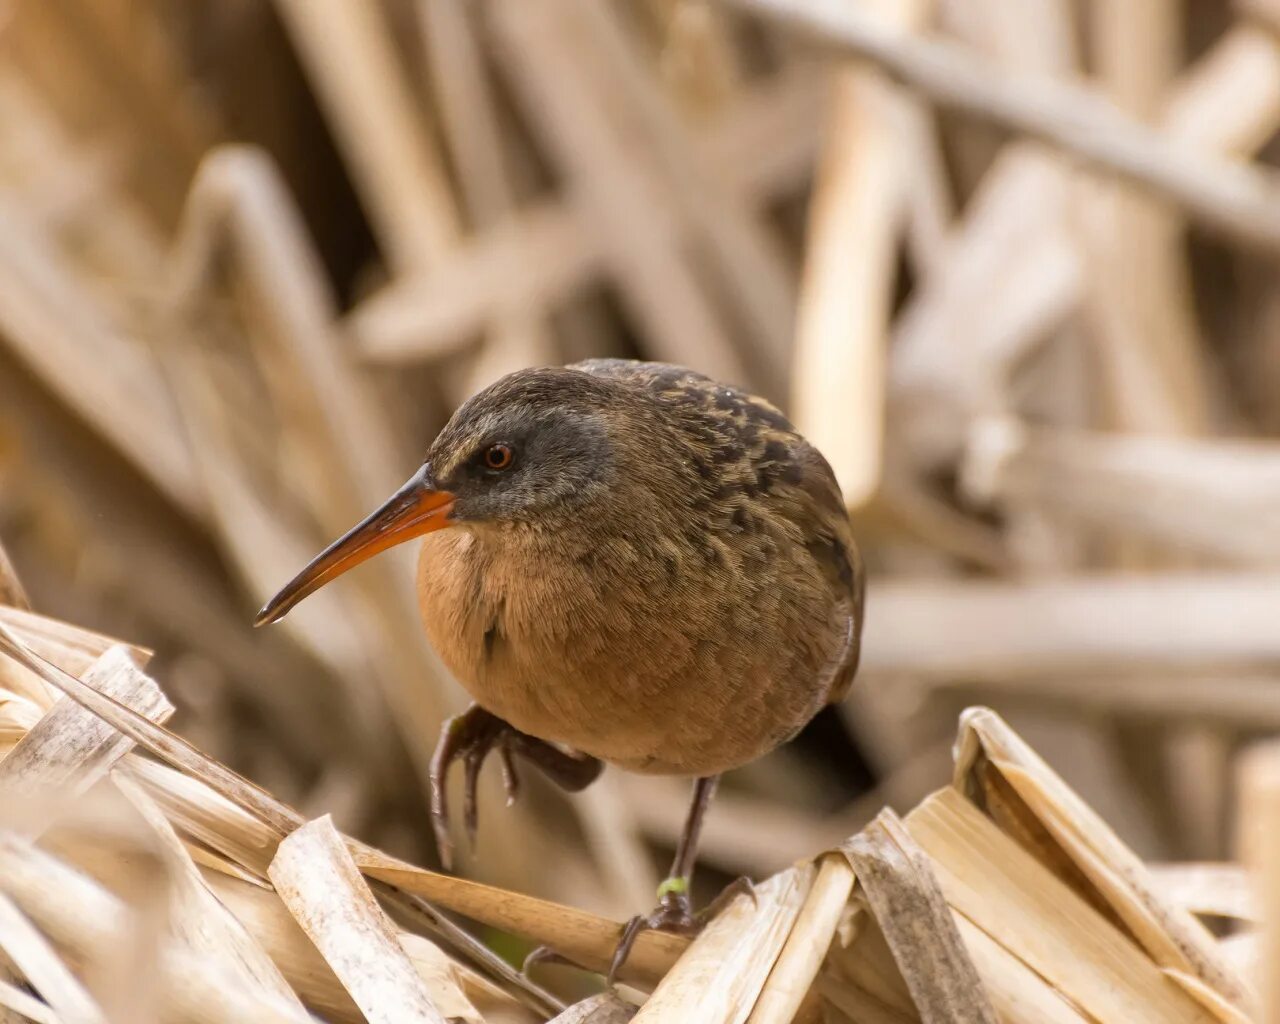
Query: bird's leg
[[470, 737], [674, 912]]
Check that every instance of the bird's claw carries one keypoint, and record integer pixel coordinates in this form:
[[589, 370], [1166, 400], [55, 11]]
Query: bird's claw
[[468, 737], [674, 913], [740, 886], [544, 955], [510, 778]]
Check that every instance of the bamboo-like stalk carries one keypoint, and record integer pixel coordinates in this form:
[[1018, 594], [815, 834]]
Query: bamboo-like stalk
[[614, 192], [278, 819], [1086, 622], [1147, 336], [319, 883], [1236, 201], [351, 56], [1210, 496], [806, 947], [583, 938], [843, 318]]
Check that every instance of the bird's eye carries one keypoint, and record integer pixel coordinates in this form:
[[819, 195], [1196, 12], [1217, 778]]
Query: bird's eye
[[498, 456]]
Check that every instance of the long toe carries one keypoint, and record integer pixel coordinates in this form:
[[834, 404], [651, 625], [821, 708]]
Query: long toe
[[740, 886], [510, 776], [545, 955], [471, 782], [467, 737], [672, 914]]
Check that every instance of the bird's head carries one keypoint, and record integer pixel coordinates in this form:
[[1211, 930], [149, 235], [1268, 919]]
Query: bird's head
[[533, 449]]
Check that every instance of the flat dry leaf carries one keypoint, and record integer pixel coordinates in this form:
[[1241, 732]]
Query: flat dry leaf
[[1171, 935], [1018, 902], [908, 903], [70, 748]]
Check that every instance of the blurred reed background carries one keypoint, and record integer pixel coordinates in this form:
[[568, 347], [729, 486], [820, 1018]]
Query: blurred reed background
[[253, 252]]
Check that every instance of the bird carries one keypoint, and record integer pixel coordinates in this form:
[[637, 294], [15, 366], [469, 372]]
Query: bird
[[622, 562]]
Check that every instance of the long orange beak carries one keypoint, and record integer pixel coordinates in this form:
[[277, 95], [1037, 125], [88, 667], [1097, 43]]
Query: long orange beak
[[415, 509]]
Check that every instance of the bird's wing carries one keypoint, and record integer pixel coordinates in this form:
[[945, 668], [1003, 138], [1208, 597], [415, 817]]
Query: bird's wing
[[776, 456], [845, 666], [832, 547]]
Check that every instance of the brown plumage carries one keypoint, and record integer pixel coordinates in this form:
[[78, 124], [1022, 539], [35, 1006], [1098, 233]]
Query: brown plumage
[[645, 566]]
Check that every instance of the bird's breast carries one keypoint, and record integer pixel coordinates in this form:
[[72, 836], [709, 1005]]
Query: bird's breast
[[640, 652], [518, 625]]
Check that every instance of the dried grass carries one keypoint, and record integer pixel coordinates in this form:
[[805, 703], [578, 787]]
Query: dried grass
[[1002, 896], [1011, 265]]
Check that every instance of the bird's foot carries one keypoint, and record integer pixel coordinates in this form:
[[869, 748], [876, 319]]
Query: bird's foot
[[674, 913], [545, 955], [470, 737]]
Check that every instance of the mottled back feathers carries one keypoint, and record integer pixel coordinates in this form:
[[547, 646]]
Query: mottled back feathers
[[752, 463]]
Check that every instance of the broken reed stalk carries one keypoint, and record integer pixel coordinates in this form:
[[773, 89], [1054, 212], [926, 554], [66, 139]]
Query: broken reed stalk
[[314, 875], [806, 948], [964, 903], [856, 215], [905, 896], [1240, 202], [279, 817]]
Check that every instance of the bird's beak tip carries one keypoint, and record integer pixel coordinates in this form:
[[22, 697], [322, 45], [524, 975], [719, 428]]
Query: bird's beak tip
[[415, 509]]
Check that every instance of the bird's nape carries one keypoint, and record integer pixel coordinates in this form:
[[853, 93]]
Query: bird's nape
[[415, 509]]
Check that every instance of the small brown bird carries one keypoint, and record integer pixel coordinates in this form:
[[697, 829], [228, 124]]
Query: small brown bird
[[640, 566]]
